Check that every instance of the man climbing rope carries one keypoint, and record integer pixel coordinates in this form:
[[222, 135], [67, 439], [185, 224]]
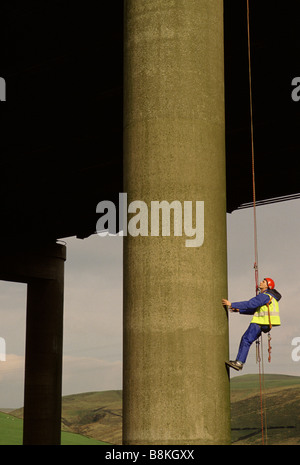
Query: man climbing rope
[[265, 310]]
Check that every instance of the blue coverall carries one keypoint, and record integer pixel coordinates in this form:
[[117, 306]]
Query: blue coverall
[[254, 330]]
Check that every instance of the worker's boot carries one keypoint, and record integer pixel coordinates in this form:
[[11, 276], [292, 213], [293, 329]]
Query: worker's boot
[[235, 364]]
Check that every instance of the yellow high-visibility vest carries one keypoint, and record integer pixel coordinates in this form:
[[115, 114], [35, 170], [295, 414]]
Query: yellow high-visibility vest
[[263, 316]]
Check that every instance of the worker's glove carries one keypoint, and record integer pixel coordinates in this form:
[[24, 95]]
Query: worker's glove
[[233, 310]]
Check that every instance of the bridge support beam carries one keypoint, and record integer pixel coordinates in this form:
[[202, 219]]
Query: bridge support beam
[[42, 268], [176, 386]]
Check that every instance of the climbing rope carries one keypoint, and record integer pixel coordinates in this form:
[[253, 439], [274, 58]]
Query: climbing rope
[[259, 358], [263, 410], [252, 153], [264, 397]]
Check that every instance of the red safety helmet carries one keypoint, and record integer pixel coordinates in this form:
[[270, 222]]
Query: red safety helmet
[[270, 283]]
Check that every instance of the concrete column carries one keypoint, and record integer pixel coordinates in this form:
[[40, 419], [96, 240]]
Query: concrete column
[[41, 266], [176, 386], [44, 351]]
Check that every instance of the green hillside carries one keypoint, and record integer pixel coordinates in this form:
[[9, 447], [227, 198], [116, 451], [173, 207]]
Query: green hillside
[[251, 382], [94, 414], [11, 432], [282, 406], [96, 417]]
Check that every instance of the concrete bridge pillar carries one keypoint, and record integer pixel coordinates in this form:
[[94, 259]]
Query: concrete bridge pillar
[[41, 266], [176, 386]]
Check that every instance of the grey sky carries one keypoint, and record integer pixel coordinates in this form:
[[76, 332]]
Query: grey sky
[[278, 231], [93, 303], [92, 322]]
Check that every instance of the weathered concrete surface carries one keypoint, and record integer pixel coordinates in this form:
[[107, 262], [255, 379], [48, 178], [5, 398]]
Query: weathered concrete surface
[[176, 387]]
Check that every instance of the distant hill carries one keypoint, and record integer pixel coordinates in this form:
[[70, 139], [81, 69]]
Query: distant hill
[[98, 415], [94, 414], [282, 404]]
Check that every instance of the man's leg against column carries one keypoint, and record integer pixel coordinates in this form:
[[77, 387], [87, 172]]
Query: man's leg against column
[[251, 334]]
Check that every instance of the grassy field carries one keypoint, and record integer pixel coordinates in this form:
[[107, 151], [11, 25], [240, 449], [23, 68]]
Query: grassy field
[[11, 431], [281, 407]]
